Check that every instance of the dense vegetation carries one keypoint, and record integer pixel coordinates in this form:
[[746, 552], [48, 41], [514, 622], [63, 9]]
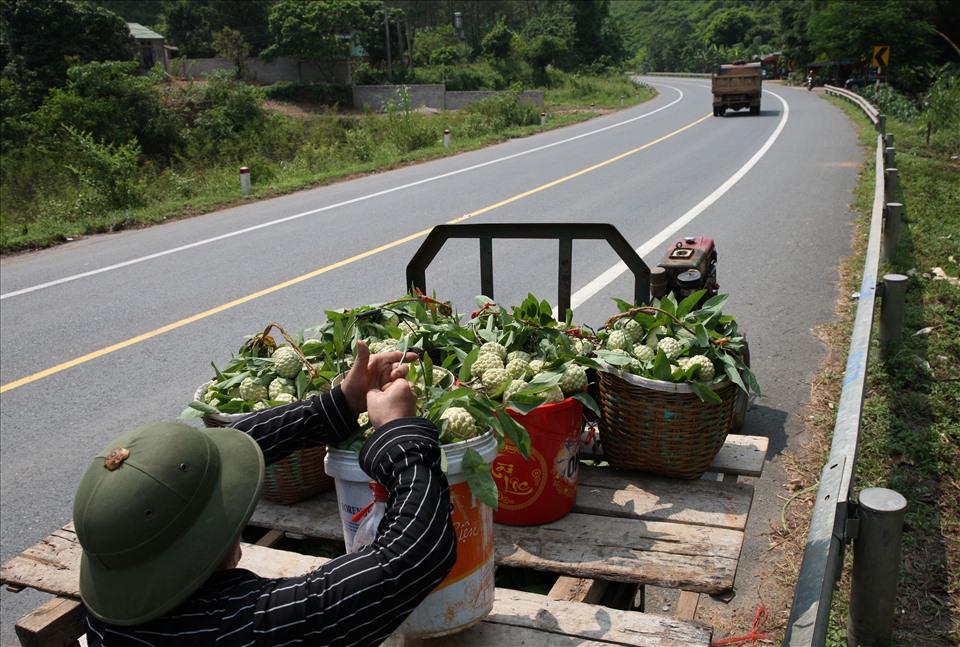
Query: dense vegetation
[[90, 142]]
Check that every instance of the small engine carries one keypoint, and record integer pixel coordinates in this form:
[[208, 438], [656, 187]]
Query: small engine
[[689, 265]]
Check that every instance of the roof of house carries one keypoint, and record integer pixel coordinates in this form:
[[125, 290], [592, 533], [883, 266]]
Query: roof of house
[[139, 32]]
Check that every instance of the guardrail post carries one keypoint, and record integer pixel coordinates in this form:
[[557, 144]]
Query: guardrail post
[[891, 307], [876, 563], [882, 124], [888, 139], [889, 154], [891, 178], [891, 229]]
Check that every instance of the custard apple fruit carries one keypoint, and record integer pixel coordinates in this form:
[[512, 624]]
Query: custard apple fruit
[[552, 394], [534, 367], [671, 347], [281, 385], [485, 362], [654, 336], [496, 349], [458, 423], [260, 406], [519, 354], [494, 380], [634, 330], [707, 370], [252, 391], [517, 368], [287, 362], [515, 386], [643, 352], [618, 340], [574, 379], [388, 318], [582, 347], [285, 398]]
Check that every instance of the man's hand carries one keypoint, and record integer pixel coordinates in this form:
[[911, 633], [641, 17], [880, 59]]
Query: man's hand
[[396, 400], [372, 372]]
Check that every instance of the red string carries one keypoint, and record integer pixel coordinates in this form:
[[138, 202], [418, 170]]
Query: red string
[[753, 637], [379, 494]]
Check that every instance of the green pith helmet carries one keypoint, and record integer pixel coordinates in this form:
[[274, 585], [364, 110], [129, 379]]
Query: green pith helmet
[[157, 512]]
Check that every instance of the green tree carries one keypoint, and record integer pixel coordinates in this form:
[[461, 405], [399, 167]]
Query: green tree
[[729, 27], [190, 24], [230, 43], [113, 103], [850, 29], [41, 38], [311, 30], [498, 42]]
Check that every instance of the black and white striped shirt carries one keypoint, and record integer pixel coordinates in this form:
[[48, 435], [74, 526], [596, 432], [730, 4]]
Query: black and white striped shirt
[[356, 599]]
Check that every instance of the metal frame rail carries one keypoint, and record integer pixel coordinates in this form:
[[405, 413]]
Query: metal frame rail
[[832, 523], [564, 233]]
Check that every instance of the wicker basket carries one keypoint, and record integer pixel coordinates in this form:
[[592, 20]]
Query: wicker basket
[[298, 476], [661, 427]]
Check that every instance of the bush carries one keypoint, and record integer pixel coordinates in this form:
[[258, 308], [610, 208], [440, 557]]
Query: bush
[[499, 113], [108, 173], [892, 103], [327, 94]]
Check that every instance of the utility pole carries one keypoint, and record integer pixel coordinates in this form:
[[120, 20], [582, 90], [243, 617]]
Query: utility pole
[[386, 36]]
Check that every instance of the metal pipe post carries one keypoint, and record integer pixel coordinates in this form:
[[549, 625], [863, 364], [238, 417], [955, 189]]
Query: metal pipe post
[[891, 230], [891, 307], [876, 564], [890, 184]]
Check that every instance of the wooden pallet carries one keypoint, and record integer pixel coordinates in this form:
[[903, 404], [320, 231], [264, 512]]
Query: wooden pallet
[[517, 617]]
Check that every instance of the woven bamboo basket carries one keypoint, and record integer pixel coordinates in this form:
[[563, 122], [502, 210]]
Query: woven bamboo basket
[[661, 427], [298, 476]]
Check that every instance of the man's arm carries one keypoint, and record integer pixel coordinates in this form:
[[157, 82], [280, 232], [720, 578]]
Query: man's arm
[[359, 599], [325, 419]]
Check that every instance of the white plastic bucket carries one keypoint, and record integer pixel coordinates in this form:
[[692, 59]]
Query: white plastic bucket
[[465, 596]]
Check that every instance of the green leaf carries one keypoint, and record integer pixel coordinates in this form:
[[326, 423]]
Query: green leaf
[[191, 412], [587, 401], [717, 302], [443, 460], [479, 479], [524, 403], [661, 366], [705, 393], [703, 337], [202, 407], [689, 303]]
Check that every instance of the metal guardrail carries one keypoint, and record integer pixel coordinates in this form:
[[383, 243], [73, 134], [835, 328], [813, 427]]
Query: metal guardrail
[[833, 522]]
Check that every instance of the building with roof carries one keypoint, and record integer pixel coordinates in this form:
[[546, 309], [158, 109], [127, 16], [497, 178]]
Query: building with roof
[[151, 46]]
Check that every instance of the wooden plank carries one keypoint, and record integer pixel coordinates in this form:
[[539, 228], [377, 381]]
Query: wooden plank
[[271, 538], [687, 605], [316, 517], [578, 589], [741, 455], [520, 618], [53, 564], [57, 623], [670, 555], [617, 493]]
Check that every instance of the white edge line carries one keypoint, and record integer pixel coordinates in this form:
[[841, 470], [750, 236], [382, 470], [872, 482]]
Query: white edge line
[[362, 198], [597, 284]]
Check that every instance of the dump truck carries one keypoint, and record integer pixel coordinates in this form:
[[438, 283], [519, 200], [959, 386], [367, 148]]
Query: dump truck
[[736, 86]]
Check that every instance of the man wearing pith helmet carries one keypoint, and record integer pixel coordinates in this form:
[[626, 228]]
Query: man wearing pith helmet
[[160, 511]]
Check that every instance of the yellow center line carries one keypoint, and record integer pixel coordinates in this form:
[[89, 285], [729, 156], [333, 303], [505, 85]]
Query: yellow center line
[[323, 270]]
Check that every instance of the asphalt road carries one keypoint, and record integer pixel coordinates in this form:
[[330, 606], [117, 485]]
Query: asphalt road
[[109, 332]]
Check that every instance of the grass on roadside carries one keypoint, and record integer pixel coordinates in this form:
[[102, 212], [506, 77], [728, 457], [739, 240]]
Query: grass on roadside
[[287, 152], [910, 427]]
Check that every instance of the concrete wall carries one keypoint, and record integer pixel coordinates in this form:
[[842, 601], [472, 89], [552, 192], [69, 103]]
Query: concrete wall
[[267, 72], [430, 96]]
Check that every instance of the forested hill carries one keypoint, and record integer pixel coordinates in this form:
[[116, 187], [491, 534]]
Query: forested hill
[[695, 35]]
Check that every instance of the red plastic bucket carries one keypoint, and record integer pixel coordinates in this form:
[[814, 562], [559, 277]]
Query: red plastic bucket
[[542, 488]]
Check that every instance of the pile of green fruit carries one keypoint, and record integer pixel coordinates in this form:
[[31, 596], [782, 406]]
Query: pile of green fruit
[[678, 342]]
